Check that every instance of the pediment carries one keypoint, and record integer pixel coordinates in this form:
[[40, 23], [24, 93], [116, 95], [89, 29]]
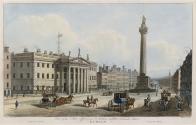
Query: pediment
[[79, 61]]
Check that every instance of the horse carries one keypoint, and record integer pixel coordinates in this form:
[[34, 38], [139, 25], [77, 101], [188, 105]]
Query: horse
[[94, 102], [69, 99], [130, 102], [147, 105], [45, 100], [86, 102]]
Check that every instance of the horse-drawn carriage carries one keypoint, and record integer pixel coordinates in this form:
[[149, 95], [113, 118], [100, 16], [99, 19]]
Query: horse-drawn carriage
[[121, 102], [165, 100], [52, 100]]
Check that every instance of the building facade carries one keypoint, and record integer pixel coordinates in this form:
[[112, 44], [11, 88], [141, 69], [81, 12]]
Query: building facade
[[37, 72], [186, 79], [133, 78], [113, 78], [92, 76], [176, 81], [7, 72]]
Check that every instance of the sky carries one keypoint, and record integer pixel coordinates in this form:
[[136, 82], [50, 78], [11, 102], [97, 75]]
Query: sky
[[109, 33]]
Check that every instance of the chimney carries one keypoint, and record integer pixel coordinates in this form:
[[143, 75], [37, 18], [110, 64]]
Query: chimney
[[69, 53], [38, 51], [45, 52], [107, 68], [87, 57], [6, 49], [25, 50], [103, 66], [100, 69], [51, 53]]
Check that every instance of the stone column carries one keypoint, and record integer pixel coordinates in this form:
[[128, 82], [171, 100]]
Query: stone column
[[78, 80], [74, 80], [143, 31], [61, 79], [82, 82], [68, 80], [87, 89]]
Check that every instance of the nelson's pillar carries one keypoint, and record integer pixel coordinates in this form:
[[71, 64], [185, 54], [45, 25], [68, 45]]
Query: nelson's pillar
[[143, 79]]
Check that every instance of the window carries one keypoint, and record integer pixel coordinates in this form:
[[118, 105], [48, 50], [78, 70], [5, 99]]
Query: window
[[13, 64], [65, 75], [21, 87], [65, 69], [21, 64], [37, 64], [14, 75], [28, 64], [21, 75], [28, 75], [7, 66], [27, 87], [52, 76], [37, 75], [48, 65], [7, 57], [7, 76], [42, 65], [14, 87], [42, 75], [7, 84], [56, 76], [47, 76], [52, 65]]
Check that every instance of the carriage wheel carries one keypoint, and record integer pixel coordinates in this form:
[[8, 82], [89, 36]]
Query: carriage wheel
[[122, 107], [110, 105]]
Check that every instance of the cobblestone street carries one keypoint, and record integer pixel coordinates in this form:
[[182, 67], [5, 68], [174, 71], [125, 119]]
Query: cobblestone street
[[28, 106]]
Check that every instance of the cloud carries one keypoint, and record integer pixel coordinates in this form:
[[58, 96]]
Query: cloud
[[109, 46], [163, 57], [38, 31]]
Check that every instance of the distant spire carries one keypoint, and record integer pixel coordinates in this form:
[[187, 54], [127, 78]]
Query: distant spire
[[69, 53], [58, 47], [87, 57], [78, 52]]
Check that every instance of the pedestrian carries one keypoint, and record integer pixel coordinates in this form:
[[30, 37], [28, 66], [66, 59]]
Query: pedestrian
[[91, 97], [16, 104], [88, 98]]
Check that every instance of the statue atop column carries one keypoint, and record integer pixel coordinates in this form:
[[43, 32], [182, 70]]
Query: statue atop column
[[143, 20]]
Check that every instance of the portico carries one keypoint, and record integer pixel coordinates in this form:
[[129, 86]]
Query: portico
[[73, 75]]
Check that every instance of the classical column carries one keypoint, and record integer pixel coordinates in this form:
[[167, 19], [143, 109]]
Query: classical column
[[143, 31], [84, 80], [68, 80], [74, 80], [87, 89], [82, 83], [78, 80], [61, 79]]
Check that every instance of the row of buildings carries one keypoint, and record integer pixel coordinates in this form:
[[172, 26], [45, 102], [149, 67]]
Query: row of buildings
[[182, 79], [38, 72], [116, 78]]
